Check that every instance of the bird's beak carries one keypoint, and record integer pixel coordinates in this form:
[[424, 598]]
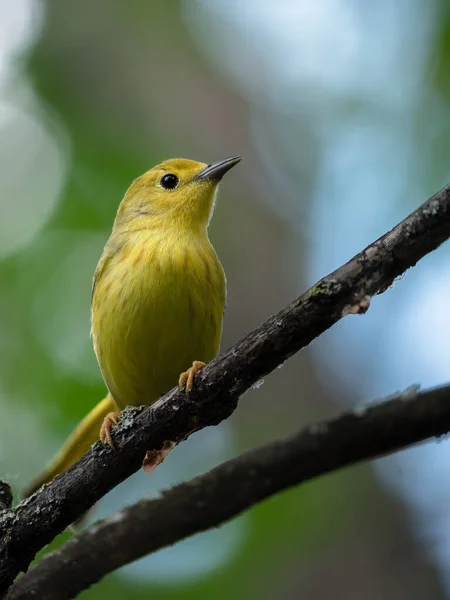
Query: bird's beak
[[217, 170]]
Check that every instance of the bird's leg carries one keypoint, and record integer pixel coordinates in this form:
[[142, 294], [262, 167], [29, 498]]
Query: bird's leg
[[153, 458], [187, 377], [111, 419]]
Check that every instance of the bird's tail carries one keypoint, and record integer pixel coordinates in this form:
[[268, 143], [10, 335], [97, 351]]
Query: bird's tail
[[77, 444]]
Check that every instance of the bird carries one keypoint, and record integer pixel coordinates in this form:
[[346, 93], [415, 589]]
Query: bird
[[158, 298]]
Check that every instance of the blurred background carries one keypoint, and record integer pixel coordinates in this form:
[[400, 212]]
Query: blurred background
[[341, 109]]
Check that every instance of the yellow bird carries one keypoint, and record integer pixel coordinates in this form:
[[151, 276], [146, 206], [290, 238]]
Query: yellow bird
[[158, 297]]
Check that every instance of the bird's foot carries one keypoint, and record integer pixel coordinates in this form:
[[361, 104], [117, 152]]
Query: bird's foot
[[187, 377], [111, 419], [154, 458]]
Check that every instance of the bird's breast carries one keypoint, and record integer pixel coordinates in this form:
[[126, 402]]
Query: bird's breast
[[157, 306]]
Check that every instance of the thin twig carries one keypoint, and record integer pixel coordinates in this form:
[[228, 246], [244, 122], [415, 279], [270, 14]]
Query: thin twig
[[36, 521]]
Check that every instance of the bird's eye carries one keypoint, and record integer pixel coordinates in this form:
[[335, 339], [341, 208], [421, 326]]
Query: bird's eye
[[169, 181]]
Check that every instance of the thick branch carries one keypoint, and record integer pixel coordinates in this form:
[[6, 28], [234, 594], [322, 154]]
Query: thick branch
[[39, 519], [213, 498]]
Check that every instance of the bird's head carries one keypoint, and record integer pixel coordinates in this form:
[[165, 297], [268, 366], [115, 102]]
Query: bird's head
[[177, 191]]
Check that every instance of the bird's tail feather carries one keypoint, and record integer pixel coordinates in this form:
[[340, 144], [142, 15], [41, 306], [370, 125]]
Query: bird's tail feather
[[77, 444]]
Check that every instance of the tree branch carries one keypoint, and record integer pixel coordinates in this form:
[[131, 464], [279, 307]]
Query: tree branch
[[37, 520], [234, 486]]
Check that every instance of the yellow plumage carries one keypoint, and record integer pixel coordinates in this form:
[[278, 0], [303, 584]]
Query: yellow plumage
[[158, 295]]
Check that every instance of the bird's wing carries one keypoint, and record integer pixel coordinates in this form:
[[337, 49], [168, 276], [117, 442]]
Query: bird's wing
[[112, 247]]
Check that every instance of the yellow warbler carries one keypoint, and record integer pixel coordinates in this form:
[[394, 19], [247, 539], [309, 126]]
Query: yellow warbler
[[158, 296]]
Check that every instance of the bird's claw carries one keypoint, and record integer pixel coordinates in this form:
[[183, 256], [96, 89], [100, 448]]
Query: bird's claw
[[187, 377], [111, 419]]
